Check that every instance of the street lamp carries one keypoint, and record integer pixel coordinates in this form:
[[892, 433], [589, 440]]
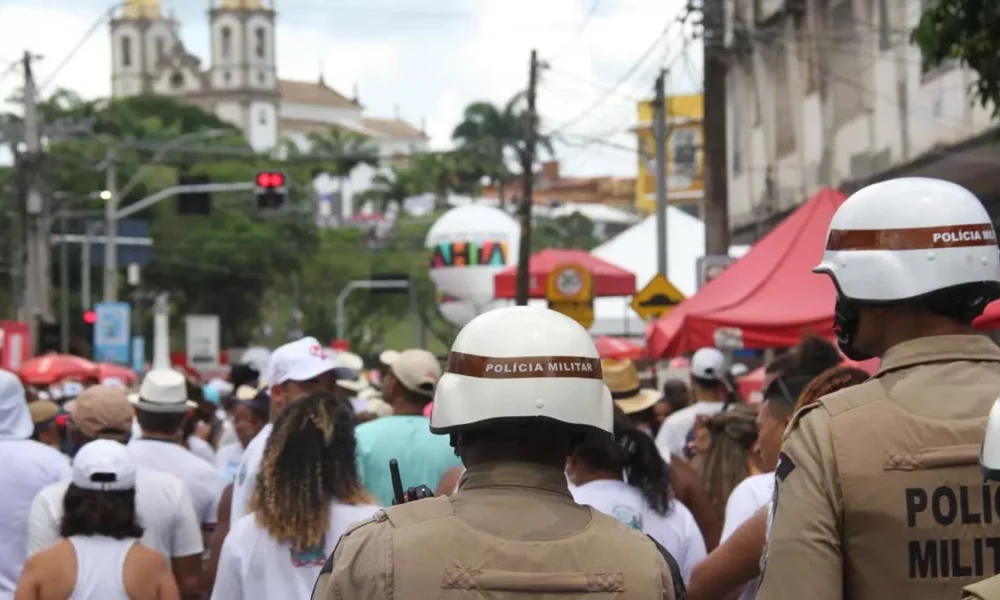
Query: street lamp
[[114, 196]]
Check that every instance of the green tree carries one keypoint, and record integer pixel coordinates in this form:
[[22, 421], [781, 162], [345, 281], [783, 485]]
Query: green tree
[[573, 231], [395, 185], [494, 135], [964, 30]]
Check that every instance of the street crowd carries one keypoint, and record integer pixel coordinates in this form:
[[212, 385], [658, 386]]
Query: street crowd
[[525, 466]]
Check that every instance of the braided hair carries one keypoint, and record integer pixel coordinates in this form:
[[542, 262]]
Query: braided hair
[[309, 462], [633, 452], [733, 434]]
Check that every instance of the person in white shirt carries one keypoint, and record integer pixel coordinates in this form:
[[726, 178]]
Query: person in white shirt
[[308, 494], [710, 392], [643, 500], [28, 466], [250, 415], [99, 556], [294, 370], [161, 406], [162, 502]]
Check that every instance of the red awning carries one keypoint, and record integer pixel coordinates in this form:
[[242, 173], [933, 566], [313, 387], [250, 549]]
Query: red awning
[[609, 280], [768, 298], [990, 319]]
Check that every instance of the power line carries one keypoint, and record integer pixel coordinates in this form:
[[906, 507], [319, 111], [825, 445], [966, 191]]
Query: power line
[[635, 67], [583, 26]]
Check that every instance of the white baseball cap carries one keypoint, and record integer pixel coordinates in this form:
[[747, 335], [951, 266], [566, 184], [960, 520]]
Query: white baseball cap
[[417, 370], [301, 360], [708, 363], [103, 466]]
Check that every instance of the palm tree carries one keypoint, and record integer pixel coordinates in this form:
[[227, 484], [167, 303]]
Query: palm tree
[[395, 185], [340, 152], [491, 133]]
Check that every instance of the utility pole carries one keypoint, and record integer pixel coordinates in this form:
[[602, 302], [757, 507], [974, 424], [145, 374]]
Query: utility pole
[[528, 178], [660, 133], [111, 229], [36, 276], [716, 151], [63, 285]]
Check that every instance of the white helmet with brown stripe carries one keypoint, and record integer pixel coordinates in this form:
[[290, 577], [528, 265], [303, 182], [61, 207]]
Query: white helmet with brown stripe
[[522, 363], [901, 241]]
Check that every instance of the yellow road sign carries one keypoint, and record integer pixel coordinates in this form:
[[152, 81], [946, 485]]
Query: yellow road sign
[[570, 290], [658, 298], [581, 312], [569, 282]]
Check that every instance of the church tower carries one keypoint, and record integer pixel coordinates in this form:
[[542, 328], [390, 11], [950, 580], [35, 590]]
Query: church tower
[[243, 76], [140, 38]]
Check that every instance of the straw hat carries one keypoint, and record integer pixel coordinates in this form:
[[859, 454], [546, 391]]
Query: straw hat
[[622, 379]]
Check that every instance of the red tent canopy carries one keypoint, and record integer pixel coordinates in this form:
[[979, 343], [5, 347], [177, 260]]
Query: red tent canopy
[[617, 348], [609, 280], [766, 299], [990, 319]]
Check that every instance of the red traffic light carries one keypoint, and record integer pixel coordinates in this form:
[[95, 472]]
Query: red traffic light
[[90, 317], [268, 179]]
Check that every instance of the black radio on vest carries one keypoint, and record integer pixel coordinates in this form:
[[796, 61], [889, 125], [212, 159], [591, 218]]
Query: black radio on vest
[[411, 494]]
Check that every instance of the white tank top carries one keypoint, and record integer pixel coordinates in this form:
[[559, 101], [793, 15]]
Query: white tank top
[[100, 567]]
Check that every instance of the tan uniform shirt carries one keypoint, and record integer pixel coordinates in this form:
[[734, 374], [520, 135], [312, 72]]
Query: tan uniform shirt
[[512, 530], [984, 590], [879, 493]]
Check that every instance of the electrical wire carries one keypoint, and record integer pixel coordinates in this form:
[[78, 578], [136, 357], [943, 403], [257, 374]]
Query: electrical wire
[[583, 26]]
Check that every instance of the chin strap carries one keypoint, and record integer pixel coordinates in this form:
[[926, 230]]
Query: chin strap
[[846, 319]]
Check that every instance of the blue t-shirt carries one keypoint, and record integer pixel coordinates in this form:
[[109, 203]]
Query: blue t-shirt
[[423, 456]]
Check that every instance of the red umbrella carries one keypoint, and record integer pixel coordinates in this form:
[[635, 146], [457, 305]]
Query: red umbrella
[[125, 374], [610, 347], [608, 279], [50, 368]]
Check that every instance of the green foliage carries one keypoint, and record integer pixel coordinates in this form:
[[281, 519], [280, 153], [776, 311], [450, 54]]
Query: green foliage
[[250, 268], [966, 30]]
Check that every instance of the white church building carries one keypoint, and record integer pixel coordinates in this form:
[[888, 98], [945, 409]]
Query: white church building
[[240, 83]]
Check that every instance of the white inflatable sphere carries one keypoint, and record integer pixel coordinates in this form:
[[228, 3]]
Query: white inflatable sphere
[[467, 246], [460, 312]]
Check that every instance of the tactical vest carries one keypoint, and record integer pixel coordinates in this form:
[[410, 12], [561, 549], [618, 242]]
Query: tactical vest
[[918, 522], [435, 554]]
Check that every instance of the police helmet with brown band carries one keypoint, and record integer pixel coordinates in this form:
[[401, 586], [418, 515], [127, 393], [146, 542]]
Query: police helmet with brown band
[[919, 242], [520, 363]]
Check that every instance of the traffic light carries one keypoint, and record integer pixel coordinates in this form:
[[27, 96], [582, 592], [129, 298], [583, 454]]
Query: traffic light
[[194, 203], [89, 320], [270, 190], [48, 336]]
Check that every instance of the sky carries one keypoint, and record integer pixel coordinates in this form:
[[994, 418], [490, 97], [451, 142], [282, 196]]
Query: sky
[[423, 61]]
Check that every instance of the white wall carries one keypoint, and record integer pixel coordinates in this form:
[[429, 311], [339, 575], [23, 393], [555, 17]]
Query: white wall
[[262, 132], [940, 112]]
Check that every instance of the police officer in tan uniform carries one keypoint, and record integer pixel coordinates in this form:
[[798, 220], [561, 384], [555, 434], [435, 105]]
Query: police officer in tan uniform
[[522, 385], [878, 489], [989, 463]]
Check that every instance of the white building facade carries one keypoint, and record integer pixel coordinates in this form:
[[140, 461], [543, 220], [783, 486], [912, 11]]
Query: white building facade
[[241, 84], [832, 93]]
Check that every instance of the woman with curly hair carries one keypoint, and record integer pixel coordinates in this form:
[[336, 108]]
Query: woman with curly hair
[[627, 478], [308, 493]]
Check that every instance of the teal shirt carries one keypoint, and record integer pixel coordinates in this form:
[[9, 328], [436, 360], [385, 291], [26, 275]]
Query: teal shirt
[[423, 456]]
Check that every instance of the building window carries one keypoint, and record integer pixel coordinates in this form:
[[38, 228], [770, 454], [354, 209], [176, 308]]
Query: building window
[[126, 52], [227, 42], [262, 117], [684, 146], [177, 80], [260, 78], [260, 42], [736, 126], [227, 76]]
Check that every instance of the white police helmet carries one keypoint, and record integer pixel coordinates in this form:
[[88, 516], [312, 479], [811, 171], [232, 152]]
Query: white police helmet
[[989, 456], [903, 238], [522, 362]]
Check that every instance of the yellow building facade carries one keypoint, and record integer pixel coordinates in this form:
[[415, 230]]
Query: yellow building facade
[[685, 158]]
